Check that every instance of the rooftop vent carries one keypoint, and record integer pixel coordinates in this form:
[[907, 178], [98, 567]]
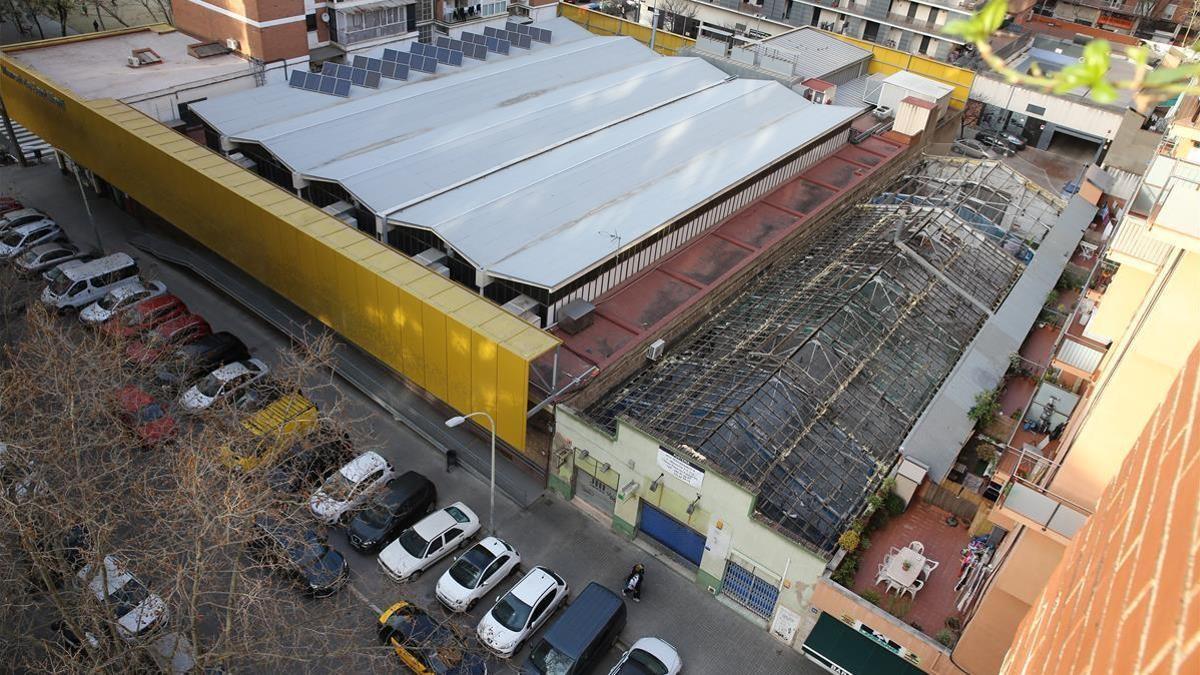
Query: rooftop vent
[[203, 50], [575, 316], [143, 57]]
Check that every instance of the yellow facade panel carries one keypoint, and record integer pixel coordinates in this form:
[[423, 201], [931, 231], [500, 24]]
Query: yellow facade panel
[[459, 359], [406, 273], [369, 312], [342, 237], [413, 323], [427, 285], [362, 249], [484, 374], [501, 327], [391, 324], [451, 299], [433, 324], [512, 376], [382, 261], [346, 302], [531, 343]]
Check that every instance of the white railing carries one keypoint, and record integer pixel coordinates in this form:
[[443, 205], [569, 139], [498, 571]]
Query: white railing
[[349, 37]]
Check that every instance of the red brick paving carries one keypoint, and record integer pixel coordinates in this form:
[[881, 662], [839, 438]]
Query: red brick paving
[[925, 523]]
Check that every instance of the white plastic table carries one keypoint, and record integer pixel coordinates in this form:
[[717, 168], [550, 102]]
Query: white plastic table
[[895, 569]]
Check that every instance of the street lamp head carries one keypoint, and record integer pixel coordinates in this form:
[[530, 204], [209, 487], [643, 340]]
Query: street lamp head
[[455, 421]]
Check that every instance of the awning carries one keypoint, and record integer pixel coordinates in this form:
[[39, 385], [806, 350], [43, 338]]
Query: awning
[[833, 642], [1116, 22]]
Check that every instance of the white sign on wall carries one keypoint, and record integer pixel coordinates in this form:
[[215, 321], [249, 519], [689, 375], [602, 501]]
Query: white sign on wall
[[717, 541], [785, 625], [681, 469]]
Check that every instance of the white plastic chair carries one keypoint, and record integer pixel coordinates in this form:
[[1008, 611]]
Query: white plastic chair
[[930, 566], [918, 547], [893, 586], [912, 590], [880, 577], [892, 551]]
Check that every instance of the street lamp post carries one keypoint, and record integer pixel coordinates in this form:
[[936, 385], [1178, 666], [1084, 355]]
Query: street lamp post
[[457, 420]]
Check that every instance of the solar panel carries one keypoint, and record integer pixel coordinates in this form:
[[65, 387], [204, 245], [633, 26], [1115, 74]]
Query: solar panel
[[358, 76], [540, 35], [312, 81], [424, 64], [473, 38], [374, 65], [328, 68], [417, 48], [395, 71], [372, 80], [511, 25], [327, 85], [367, 63], [477, 52], [456, 57], [345, 72], [493, 44], [391, 55], [296, 79], [404, 57], [524, 41], [502, 45], [488, 31], [359, 62], [341, 88]]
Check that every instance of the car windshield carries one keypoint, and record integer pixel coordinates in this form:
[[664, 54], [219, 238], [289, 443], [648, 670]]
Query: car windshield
[[59, 282], [210, 386], [151, 413], [28, 257], [13, 239], [511, 613], [307, 549], [550, 661], [414, 543], [338, 487], [126, 598], [642, 663], [468, 568], [457, 514], [108, 302]]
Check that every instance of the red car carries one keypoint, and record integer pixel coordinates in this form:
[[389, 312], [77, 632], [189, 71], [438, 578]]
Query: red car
[[167, 337], [145, 416], [8, 204], [143, 316]]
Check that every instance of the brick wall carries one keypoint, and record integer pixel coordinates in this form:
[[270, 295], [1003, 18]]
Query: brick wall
[[287, 40], [1126, 597]]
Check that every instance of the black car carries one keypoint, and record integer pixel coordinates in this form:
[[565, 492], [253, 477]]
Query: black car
[[1004, 142], [303, 553], [403, 502], [203, 356], [307, 463], [428, 645], [69, 547]]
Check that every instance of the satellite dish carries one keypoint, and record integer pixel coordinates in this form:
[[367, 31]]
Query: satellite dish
[[325, 17]]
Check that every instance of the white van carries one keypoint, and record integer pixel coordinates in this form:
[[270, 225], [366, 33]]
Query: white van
[[75, 286]]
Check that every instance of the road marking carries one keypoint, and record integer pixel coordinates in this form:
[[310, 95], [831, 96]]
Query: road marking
[[363, 599]]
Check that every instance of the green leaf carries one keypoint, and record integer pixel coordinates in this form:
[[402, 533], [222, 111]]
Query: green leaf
[[1139, 55], [979, 28], [1103, 92], [992, 15], [1164, 76]]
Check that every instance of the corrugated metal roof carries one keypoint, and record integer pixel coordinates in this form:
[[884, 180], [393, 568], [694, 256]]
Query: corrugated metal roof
[[1078, 355], [919, 84], [545, 220], [812, 51], [938, 436], [1133, 239]]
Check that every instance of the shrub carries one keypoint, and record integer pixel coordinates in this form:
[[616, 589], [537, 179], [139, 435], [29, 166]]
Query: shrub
[[986, 408], [871, 596], [864, 543], [985, 452], [900, 607], [953, 622], [845, 572], [880, 519], [895, 504], [849, 540], [874, 502], [947, 637]]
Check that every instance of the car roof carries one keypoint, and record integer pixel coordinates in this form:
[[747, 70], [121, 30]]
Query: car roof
[[584, 619], [179, 322], [21, 213], [158, 301], [48, 246], [213, 341], [531, 586], [360, 467], [232, 370], [408, 484], [106, 264], [29, 227], [493, 545], [661, 649], [434, 524]]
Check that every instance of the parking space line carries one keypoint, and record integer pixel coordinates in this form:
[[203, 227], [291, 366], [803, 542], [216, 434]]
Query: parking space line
[[363, 599]]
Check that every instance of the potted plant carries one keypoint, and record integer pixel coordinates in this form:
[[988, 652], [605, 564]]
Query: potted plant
[[906, 565]]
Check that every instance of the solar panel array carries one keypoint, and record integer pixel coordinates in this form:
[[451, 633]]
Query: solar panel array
[[319, 82], [514, 38], [472, 46], [423, 57], [493, 44], [537, 34], [360, 77]]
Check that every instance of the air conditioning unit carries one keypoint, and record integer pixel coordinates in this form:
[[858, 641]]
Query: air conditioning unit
[[576, 315], [232, 44], [430, 257], [133, 62], [525, 308], [655, 351], [441, 269]]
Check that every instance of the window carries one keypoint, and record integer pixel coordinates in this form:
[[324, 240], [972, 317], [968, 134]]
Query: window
[[540, 608], [787, 9], [451, 534], [310, 22]]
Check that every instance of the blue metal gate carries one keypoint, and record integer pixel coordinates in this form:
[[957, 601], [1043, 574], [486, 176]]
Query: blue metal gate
[[749, 590], [671, 533]]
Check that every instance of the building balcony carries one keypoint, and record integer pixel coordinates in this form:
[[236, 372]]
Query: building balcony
[[868, 13], [1040, 509], [348, 38], [470, 13]]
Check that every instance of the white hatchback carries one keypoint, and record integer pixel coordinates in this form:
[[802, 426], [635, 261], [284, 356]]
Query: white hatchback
[[475, 573], [349, 487], [120, 299], [522, 610], [430, 540], [136, 608], [221, 383], [649, 655]]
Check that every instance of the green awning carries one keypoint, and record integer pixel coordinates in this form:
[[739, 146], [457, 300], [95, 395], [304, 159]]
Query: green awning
[[835, 642]]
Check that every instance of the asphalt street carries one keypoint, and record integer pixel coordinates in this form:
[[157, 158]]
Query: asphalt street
[[710, 637]]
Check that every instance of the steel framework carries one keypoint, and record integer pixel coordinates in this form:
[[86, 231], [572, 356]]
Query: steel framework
[[802, 388]]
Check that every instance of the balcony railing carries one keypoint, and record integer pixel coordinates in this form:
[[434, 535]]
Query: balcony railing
[[349, 37], [474, 12], [1037, 507], [867, 12]]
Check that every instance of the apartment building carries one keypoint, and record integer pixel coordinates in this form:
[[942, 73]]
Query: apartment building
[[1162, 19]]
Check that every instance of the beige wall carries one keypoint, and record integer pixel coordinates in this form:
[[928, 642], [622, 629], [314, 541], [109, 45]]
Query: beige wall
[[633, 454], [1030, 563], [981, 649]]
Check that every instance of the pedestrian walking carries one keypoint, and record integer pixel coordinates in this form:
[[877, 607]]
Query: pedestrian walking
[[96, 26], [633, 582]]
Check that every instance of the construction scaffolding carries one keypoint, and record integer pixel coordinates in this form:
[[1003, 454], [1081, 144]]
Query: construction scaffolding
[[802, 388]]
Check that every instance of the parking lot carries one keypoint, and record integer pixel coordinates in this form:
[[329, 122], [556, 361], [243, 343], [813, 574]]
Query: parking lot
[[547, 531]]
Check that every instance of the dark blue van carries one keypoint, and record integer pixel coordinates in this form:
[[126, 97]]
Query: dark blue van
[[580, 636]]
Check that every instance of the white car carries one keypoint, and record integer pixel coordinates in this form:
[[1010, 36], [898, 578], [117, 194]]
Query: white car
[[430, 540], [119, 300], [475, 573], [521, 611], [135, 608], [23, 217], [44, 256], [24, 237], [222, 382], [649, 656], [349, 487], [19, 480]]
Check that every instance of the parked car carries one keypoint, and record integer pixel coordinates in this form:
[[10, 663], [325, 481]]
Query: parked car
[[400, 504], [120, 299], [426, 645], [143, 316], [270, 431], [476, 573], [306, 464], [581, 636], [649, 656], [68, 547], [304, 554], [995, 142], [145, 416], [350, 486], [970, 148], [136, 609], [521, 611], [430, 540], [44, 256], [19, 217], [73, 286], [197, 358], [19, 478], [19, 239], [180, 330], [997, 139], [222, 382]]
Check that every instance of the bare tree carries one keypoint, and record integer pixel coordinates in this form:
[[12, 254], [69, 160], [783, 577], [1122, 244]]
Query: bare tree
[[678, 16]]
